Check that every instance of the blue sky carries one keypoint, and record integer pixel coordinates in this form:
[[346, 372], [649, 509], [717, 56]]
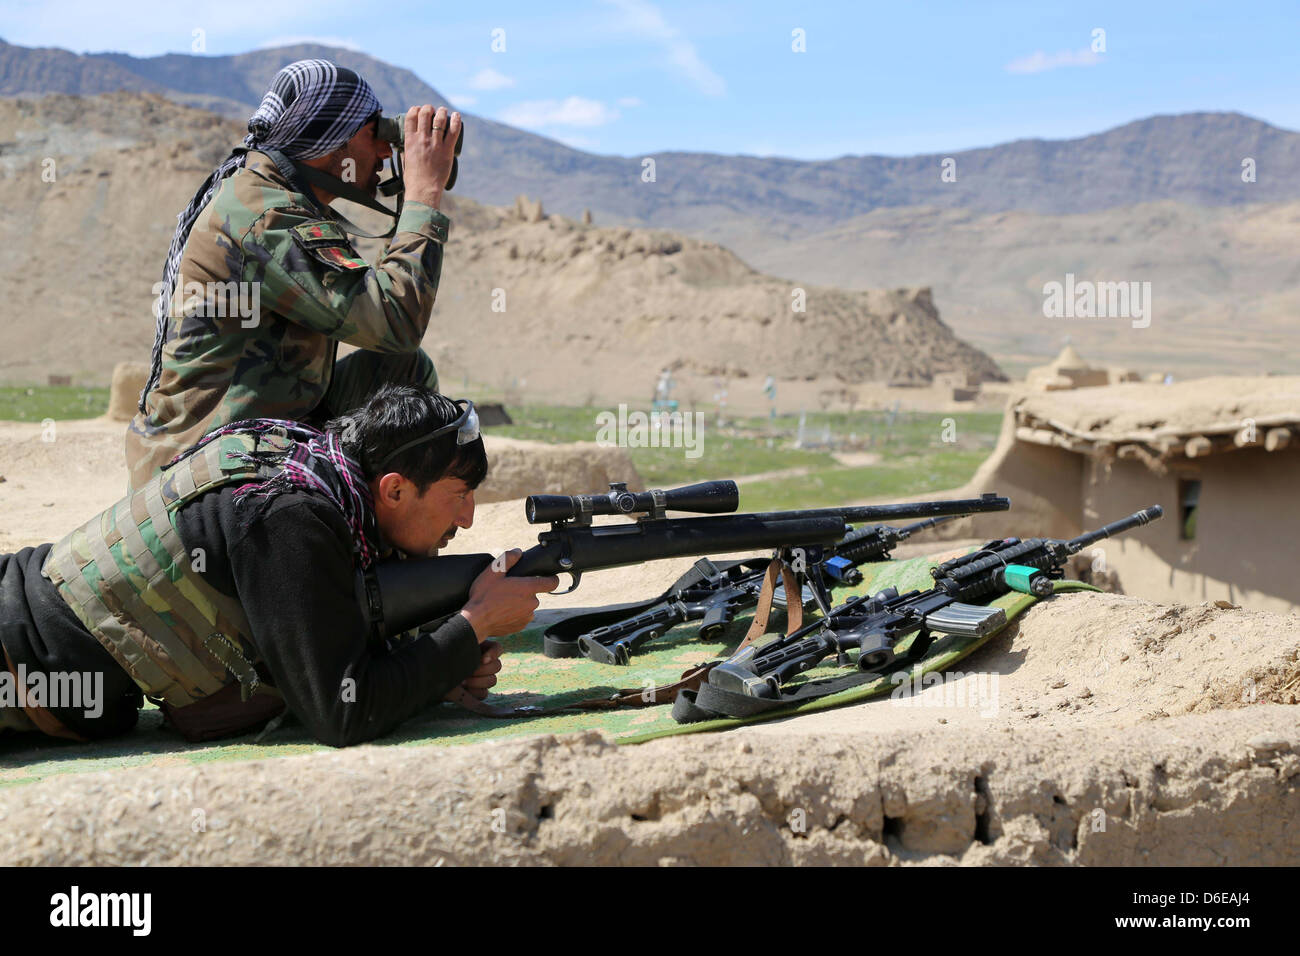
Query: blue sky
[[638, 76]]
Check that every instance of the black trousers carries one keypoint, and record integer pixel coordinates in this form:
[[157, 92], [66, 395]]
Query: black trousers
[[40, 634]]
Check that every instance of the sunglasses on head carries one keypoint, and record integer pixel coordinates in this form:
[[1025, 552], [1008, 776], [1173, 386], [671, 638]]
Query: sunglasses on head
[[465, 427]]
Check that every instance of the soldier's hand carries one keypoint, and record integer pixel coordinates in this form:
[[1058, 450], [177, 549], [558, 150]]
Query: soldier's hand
[[430, 147], [484, 676], [500, 605]]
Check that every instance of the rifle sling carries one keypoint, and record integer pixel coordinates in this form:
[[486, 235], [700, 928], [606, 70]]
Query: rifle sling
[[793, 603]]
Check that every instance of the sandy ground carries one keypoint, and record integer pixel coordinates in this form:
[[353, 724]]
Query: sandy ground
[[1097, 729]]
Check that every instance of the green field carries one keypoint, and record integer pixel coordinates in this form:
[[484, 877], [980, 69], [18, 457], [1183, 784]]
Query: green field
[[35, 403], [919, 452]]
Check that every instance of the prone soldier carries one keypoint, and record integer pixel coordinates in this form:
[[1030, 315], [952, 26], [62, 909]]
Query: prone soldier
[[225, 587]]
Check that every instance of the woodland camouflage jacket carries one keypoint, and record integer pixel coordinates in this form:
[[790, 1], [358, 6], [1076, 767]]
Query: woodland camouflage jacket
[[268, 288]]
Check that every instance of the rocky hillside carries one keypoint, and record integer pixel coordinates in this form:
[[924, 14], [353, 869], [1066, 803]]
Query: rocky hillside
[[79, 256], [622, 298], [1225, 285]]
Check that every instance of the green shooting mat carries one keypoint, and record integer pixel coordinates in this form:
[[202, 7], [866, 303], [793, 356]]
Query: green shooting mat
[[528, 677]]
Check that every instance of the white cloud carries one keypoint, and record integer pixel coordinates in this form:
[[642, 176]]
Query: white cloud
[[343, 42], [644, 19], [708, 82], [462, 99], [1040, 62], [571, 111], [628, 101], [490, 79]]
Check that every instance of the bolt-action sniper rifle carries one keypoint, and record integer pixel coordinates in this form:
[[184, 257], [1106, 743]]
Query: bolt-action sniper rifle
[[751, 681], [714, 595], [400, 595]]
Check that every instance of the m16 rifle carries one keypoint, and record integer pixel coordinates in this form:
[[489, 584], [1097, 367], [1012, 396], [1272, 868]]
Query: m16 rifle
[[400, 595], [714, 594], [752, 680]]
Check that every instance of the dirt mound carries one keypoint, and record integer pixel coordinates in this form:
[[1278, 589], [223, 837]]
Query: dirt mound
[[650, 299], [1106, 731], [124, 392], [1131, 660], [1216, 789], [520, 468]]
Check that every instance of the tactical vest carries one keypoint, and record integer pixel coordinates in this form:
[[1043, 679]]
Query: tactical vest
[[127, 576]]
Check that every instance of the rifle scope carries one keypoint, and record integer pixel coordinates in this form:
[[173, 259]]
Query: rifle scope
[[706, 498]]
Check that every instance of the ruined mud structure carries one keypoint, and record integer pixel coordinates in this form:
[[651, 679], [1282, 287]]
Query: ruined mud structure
[[1221, 456]]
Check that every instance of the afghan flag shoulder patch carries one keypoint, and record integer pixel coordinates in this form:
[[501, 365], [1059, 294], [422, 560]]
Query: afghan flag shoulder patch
[[321, 232], [326, 242], [340, 257]]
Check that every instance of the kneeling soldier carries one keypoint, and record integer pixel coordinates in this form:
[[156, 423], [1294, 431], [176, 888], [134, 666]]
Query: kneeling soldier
[[262, 284]]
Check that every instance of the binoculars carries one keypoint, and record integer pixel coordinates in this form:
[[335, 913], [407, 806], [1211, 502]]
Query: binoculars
[[392, 129]]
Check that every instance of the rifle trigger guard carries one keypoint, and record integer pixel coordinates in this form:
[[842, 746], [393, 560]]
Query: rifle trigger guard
[[576, 577]]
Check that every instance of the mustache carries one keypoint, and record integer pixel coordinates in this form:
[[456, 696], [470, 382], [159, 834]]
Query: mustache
[[433, 551]]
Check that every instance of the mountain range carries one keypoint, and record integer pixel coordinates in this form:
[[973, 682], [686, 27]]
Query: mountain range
[[1193, 157]]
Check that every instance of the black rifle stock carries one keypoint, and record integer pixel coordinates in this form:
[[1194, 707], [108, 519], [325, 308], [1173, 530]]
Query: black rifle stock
[[400, 595]]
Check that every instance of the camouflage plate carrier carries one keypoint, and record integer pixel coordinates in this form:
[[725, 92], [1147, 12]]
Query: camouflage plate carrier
[[127, 576]]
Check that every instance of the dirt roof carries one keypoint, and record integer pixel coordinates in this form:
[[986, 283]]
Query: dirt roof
[[1143, 412]]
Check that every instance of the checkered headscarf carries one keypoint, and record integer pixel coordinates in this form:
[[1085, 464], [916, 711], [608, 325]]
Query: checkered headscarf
[[312, 108], [315, 463]]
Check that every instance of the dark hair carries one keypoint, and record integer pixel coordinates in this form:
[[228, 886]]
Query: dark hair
[[397, 414]]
